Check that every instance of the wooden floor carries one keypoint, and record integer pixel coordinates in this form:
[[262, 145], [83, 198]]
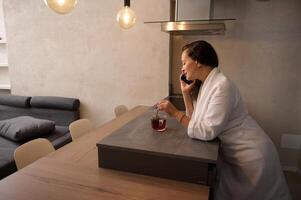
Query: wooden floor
[[294, 183]]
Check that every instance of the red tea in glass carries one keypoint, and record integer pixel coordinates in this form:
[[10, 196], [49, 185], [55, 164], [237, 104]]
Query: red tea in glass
[[158, 124]]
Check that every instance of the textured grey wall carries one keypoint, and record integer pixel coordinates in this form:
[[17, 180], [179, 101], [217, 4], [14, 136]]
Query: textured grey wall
[[85, 54], [261, 53]]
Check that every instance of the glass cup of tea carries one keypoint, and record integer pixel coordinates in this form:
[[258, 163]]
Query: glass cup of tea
[[158, 122]]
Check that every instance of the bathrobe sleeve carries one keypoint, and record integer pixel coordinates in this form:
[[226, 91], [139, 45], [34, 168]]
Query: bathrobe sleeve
[[213, 117]]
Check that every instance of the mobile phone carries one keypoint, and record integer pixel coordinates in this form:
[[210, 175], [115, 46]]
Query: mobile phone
[[183, 78]]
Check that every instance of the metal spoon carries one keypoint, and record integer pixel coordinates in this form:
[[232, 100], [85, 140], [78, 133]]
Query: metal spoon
[[157, 113]]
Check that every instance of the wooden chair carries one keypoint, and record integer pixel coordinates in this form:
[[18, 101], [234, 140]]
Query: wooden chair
[[119, 110], [32, 151], [79, 128]]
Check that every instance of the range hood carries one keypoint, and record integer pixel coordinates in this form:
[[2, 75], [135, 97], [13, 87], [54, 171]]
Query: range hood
[[205, 27], [193, 17]]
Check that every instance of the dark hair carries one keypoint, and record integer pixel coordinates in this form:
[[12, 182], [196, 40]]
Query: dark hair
[[202, 52]]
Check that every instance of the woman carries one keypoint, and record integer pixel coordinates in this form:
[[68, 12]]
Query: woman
[[249, 164]]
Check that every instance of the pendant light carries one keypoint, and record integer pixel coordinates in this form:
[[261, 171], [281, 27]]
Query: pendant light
[[61, 6], [126, 17]]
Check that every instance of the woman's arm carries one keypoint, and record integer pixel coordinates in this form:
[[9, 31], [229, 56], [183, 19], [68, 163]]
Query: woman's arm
[[215, 117], [182, 118], [186, 90], [188, 104], [174, 112]]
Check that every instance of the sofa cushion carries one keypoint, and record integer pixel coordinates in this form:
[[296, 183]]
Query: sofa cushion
[[55, 102], [14, 100], [25, 127], [58, 137]]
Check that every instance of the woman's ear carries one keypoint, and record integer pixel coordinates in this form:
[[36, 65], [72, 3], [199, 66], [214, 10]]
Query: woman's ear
[[198, 64]]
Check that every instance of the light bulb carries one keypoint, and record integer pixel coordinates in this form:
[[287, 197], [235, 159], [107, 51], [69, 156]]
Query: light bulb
[[126, 17], [61, 6]]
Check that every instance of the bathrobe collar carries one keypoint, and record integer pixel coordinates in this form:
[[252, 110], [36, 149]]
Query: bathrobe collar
[[209, 78]]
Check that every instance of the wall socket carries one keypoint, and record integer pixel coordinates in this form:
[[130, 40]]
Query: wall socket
[[290, 141]]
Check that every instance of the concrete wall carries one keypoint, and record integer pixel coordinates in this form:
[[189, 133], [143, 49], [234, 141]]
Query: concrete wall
[[261, 53], [85, 54]]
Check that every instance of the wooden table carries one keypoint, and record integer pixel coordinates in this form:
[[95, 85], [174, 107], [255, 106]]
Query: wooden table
[[72, 173]]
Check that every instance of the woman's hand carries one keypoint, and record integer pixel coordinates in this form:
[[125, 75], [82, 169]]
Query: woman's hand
[[168, 107], [186, 88]]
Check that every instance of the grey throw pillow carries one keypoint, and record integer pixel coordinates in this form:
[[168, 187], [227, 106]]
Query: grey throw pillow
[[25, 127]]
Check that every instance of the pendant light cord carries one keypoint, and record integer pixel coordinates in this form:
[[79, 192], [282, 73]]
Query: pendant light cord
[[127, 3]]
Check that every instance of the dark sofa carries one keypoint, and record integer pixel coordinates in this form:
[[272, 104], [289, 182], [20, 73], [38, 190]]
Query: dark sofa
[[61, 110]]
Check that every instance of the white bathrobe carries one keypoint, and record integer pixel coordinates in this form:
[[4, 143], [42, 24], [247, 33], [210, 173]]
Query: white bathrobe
[[249, 164]]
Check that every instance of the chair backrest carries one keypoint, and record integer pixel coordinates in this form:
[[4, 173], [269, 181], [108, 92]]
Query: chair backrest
[[119, 110], [32, 151], [79, 128]]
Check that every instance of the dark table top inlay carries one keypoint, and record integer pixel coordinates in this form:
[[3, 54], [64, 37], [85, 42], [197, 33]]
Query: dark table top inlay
[[138, 136]]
